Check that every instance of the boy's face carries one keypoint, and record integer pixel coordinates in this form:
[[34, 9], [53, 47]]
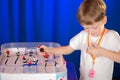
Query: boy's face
[[94, 29]]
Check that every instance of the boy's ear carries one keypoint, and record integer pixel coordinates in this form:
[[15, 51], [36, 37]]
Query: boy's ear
[[104, 20]]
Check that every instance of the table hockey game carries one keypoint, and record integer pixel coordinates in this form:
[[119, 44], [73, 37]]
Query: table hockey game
[[20, 61]]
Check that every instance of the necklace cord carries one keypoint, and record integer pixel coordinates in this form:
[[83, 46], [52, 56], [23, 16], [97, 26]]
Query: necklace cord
[[99, 41]]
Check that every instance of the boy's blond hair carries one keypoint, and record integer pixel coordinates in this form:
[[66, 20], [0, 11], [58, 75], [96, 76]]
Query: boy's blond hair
[[91, 11]]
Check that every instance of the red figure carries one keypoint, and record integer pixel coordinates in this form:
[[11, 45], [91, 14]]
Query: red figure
[[38, 46], [29, 62], [61, 79], [24, 58], [46, 55], [8, 52]]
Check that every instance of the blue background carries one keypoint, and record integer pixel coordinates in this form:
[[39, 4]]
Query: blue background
[[49, 21]]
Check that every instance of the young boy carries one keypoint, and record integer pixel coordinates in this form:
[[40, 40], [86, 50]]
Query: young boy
[[99, 46]]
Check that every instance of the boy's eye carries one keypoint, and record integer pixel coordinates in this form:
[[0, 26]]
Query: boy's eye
[[86, 28]]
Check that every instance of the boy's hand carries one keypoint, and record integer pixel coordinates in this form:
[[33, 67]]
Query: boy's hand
[[95, 49], [42, 50]]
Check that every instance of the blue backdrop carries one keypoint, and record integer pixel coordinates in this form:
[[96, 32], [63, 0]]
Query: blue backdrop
[[49, 21]]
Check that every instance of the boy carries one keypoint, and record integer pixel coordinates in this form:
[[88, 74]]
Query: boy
[[99, 46]]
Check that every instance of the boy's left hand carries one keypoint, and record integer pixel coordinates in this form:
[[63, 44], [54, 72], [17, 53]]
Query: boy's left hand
[[95, 49]]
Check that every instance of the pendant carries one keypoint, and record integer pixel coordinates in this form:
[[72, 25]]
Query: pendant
[[92, 73]]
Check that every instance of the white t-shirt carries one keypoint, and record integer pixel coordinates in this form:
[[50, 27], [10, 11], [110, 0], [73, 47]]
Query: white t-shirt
[[103, 66]]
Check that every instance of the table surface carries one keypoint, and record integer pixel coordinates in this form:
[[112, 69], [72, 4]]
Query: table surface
[[71, 71]]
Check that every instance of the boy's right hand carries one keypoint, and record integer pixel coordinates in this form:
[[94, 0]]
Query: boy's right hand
[[42, 50]]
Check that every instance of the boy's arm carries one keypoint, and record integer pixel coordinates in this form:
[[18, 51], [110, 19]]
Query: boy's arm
[[58, 51], [115, 56], [99, 51]]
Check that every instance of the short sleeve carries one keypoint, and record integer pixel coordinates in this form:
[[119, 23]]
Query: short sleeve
[[77, 41], [116, 41]]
